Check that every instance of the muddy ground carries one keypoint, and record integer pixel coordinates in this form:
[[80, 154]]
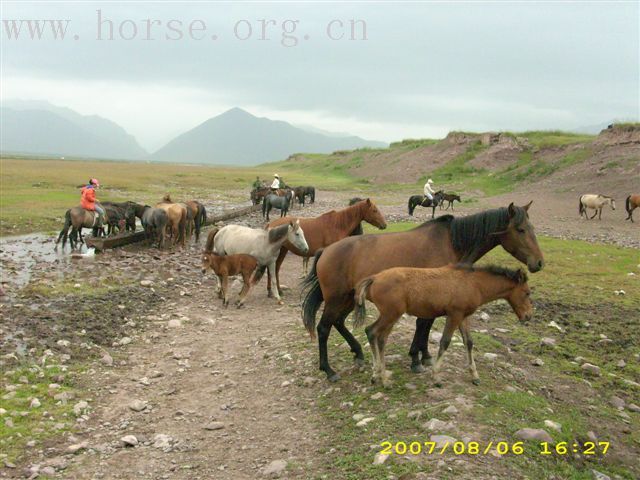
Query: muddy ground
[[199, 391]]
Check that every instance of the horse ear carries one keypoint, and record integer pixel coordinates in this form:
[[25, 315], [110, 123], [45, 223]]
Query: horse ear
[[511, 209], [526, 207], [522, 276], [368, 201]]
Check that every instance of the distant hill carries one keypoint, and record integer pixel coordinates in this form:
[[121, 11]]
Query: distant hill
[[238, 138], [43, 128]]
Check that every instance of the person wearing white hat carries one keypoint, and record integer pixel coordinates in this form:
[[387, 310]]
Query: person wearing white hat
[[428, 189], [276, 182]]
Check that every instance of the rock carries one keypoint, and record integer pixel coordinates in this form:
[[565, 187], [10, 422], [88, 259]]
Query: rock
[[146, 283], [138, 405], [592, 436], [214, 426], [380, 458], [162, 441], [633, 407], [309, 381], [129, 441], [286, 383], [174, 323], [48, 471], [365, 421], [63, 343], [414, 414], [553, 324], [358, 416], [125, 341], [435, 337], [548, 342], [144, 381], [35, 403], [617, 402], [76, 447], [534, 434], [621, 364], [377, 396], [490, 356], [434, 424], [80, 407], [599, 475], [442, 440], [484, 316], [107, 359], [275, 468], [537, 362], [591, 369], [553, 425], [579, 360], [450, 410], [511, 388]]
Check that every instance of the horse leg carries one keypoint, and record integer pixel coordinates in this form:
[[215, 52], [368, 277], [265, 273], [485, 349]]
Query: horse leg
[[271, 268], [305, 266], [433, 210], [594, 214], [279, 260], [225, 290], [332, 315], [452, 323], [356, 348], [465, 331], [600, 213], [246, 286], [219, 286], [421, 344]]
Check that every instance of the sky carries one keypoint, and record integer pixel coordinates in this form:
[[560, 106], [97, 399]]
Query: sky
[[420, 70]]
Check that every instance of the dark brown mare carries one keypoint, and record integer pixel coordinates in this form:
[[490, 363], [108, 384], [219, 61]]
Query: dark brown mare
[[632, 202], [341, 266], [77, 218], [454, 291], [326, 229], [199, 215]]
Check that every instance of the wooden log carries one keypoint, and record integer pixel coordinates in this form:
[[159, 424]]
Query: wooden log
[[102, 243]]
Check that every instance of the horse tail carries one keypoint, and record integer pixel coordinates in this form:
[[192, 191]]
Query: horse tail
[[360, 312], [580, 206], [202, 213], [411, 206], [313, 194], [264, 207], [312, 297], [259, 272], [210, 240], [627, 204], [64, 233]]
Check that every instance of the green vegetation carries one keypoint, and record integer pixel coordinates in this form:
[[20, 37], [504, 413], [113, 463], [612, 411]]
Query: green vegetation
[[553, 138]]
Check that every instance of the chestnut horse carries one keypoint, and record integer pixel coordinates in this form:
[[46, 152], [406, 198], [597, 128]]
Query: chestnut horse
[[436, 243], [326, 229], [177, 214], [632, 202], [199, 215], [454, 291]]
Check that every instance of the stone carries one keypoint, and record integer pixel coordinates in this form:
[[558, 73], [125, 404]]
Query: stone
[[599, 475], [129, 441], [365, 421], [146, 283], [48, 471], [633, 407], [174, 323], [621, 364], [434, 425], [162, 441], [490, 356], [617, 402], [450, 410], [484, 316], [144, 381], [214, 426], [138, 405], [107, 360], [415, 414], [35, 403], [592, 436], [435, 337], [275, 468], [534, 434], [548, 342], [358, 416], [380, 458], [591, 369], [125, 341], [377, 396], [76, 447], [538, 362], [442, 440], [553, 425], [80, 407]]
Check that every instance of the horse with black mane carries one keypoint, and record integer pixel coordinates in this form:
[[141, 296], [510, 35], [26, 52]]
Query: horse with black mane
[[275, 201], [631, 203], [301, 193], [424, 201], [341, 266], [449, 197]]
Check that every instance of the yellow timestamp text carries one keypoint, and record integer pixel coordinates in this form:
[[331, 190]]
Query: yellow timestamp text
[[501, 448]]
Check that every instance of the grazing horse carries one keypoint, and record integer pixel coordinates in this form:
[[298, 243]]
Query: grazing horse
[[449, 197], [302, 192], [263, 244], [120, 217], [595, 202], [154, 223], [424, 201], [137, 208], [436, 243], [77, 218], [177, 219], [454, 291], [328, 228], [275, 201], [199, 214], [631, 203], [225, 266]]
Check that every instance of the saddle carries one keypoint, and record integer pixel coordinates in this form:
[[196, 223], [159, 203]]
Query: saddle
[[95, 217]]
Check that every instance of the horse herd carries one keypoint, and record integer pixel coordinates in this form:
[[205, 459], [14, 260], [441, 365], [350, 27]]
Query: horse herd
[[438, 200], [281, 198], [597, 203]]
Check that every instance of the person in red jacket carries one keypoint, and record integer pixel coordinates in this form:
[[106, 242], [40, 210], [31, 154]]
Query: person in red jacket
[[88, 200]]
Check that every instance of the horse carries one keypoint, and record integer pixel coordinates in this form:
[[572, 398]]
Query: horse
[[455, 291], [275, 201], [356, 231], [596, 202], [154, 223], [77, 218], [258, 194], [340, 267], [328, 228], [199, 214], [263, 244], [137, 208], [302, 192], [177, 219], [227, 266], [424, 201], [119, 216], [631, 203], [449, 197]]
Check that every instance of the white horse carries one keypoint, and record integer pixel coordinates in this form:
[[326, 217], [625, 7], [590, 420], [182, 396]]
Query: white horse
[[262, 244], [595, 202]]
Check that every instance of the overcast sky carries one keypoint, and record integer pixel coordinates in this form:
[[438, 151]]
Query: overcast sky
[[424, 69]]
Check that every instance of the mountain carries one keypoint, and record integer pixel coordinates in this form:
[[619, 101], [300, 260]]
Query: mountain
[[43, 128], [238, 138]]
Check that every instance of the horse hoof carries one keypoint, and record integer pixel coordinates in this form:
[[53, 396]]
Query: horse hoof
[[476, 381], [333, 378], [427, 362], [280, 302], [418, 368]]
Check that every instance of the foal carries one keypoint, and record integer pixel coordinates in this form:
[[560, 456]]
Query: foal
[[454, 291]]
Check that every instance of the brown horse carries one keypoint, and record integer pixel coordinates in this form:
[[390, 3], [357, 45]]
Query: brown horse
[[326, 229], [226, 266], [199, 214], [632, 202], [454, 291], [177, 219], [445, 240], [449, 197], [77, 218]]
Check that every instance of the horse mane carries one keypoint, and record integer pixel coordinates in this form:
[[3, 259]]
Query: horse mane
[[210, 240], [278, 233], [167, 198], [469, 234], [518, 276]]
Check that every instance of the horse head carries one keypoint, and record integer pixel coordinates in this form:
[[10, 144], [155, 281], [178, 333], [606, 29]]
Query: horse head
[[295, 236], [373, 215], [520, 297], [519, 238]]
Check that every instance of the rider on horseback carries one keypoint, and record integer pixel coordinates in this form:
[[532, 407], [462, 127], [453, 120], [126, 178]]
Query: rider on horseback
[[89, 201], [428, 189], [276, 182], [257, 184]]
